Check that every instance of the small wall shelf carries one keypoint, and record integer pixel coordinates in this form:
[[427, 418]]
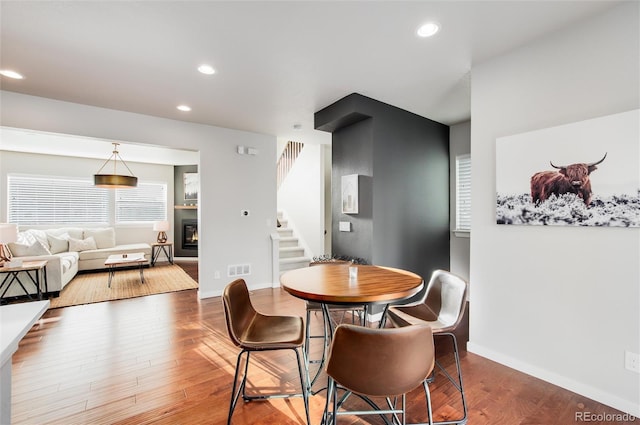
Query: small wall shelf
[[185, 207]]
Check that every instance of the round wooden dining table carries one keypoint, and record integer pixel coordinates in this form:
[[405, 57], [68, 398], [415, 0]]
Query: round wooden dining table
[[332, 284]]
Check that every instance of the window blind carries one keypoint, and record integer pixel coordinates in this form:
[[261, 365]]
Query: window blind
[[51, 200], [145, 203], [463, 192]]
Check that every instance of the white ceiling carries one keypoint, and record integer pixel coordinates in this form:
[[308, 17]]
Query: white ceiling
[[277, 62]]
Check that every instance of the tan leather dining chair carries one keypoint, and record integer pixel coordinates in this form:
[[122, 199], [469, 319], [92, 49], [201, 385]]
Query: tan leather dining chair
[[442, 309], [376, 362], [253, 331]]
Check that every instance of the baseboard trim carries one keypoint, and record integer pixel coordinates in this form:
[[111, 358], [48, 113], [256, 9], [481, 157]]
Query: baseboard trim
[[593, 393], [186, 259], [208, 294], [218, 292]]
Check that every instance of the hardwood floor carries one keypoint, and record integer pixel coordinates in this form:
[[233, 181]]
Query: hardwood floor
[[166, 359], [189, 266]]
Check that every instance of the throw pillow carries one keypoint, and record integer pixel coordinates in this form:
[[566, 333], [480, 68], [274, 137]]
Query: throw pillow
[[73, 232], [105, 238], [58, 244], [26, 238], [25, 250], [38, 235], [78, 245]]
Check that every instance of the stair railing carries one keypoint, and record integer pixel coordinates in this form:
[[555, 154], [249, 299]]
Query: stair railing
[[287, 159]]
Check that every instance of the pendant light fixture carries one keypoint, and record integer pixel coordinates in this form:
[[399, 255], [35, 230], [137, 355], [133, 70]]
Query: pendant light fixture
[[115, 180]]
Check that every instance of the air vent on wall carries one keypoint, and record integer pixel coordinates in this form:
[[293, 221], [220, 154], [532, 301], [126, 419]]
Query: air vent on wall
[[234, 270]]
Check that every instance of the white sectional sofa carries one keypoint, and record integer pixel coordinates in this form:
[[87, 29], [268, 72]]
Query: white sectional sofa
[[67, 251]]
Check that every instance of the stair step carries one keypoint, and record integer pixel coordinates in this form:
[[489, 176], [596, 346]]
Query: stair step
[[288, 242], [294, 263], [293, 251], [294, 260], [283, 232]]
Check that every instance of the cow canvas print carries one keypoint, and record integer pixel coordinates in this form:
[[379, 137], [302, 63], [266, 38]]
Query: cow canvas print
[[579, 174]]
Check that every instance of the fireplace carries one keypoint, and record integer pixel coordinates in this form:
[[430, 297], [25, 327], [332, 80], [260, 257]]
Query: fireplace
[[189, 234]]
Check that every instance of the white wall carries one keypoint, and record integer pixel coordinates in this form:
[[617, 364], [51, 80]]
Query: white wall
[[301, 196], [64, 166], [229, 182], [560, 303], [459, 144]]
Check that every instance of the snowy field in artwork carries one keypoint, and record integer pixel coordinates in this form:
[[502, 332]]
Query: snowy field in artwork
[[570, 210]]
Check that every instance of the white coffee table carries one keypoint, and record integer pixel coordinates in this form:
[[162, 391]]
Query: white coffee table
[[114, 262]]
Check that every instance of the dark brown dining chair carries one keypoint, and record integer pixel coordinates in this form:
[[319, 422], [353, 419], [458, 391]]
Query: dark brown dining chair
[[253, 331], [369, 362], [442, 309]]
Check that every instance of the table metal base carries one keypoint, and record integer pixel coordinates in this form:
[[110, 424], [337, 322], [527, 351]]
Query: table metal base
[[113, 268]]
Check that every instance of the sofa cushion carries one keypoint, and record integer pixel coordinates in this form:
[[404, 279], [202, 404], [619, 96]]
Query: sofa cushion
[[79, 245], [29, 236], [105, 238], [67, 260], [24, 250], [58, 244], [73, 232]]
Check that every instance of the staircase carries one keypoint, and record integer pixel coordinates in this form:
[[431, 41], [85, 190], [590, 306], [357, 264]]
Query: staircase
[[291, 253]]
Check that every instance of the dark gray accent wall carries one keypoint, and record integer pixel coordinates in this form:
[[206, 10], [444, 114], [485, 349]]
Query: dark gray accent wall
[[180, 214], [352, 144], [403, 163]]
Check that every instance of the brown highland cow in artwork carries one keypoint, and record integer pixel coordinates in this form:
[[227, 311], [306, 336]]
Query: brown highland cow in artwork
[[572, 178]]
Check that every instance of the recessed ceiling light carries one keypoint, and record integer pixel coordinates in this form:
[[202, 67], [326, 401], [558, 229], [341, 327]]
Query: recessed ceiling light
[[206, 69], [11, 74], [184, 108], [429, 29]]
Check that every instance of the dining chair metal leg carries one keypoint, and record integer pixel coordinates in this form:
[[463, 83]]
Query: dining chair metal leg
[[303, 383], [236, 394], [457, 384], [427, 393], [327, 417], [456, 381], [241, 388], [330, 417]]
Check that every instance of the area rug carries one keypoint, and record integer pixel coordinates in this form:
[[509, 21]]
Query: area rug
[[88, 288]]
